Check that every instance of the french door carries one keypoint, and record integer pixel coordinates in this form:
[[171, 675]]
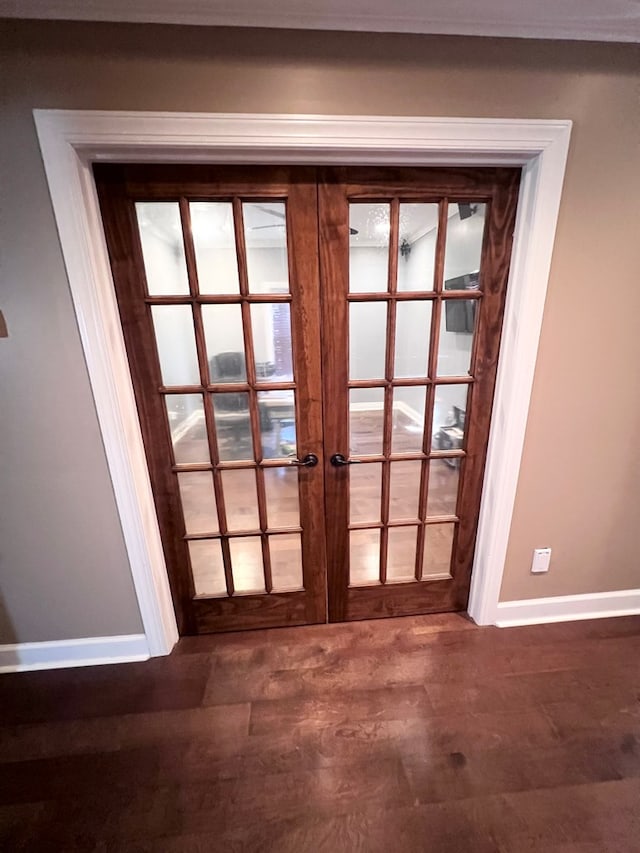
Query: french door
[[313, 354]]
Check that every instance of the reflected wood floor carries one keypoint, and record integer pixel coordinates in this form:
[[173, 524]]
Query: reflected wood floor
[[415, 734], [365, 491]]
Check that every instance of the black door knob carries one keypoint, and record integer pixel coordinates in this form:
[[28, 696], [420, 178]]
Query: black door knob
[[338, 460], [309, 461]]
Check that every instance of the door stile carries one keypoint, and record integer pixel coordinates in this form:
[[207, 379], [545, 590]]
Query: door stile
[[306, 337], [334, 271]]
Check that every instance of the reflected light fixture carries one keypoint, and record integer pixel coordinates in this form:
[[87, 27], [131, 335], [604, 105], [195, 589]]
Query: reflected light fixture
[[466, 209]]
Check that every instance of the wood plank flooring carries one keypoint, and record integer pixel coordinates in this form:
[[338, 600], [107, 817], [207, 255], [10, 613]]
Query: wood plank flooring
[[416, 734]]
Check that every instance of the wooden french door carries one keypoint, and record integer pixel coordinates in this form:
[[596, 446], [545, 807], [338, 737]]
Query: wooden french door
[[313, 354], [412, 315]]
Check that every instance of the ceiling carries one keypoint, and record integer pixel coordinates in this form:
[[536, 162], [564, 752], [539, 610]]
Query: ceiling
[[596, 20]]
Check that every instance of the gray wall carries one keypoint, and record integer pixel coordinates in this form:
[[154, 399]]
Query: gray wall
[[63, 568]]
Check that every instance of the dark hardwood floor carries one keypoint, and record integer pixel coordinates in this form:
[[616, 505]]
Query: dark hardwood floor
[[415, 734]]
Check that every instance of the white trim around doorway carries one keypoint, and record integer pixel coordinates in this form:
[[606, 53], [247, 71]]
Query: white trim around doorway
[[71, 140]]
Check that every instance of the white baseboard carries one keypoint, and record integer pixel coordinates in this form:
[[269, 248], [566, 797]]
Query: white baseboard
[[86, 651], [566, 608]]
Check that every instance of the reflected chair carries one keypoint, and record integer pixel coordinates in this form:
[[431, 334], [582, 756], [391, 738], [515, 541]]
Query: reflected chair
[[233, 416]]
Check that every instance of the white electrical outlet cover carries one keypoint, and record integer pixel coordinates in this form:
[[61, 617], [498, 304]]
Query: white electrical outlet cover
[[541, 560]]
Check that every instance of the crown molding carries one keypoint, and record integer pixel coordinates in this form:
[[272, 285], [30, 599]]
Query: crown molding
[[611, 21]]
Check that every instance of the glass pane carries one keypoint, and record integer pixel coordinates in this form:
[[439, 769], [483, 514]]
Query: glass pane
[[207, 567], [162, 247], [277, 411], [413, 332], [233, 426], [271, 327], [366, 417], [286, 562], [465, 230], [281, 486], [365, 490], [364, 556], [443, 486], [215, 246], [456, 336], [225, 343], [198, 501], [188, 428], [404, 490], [449, 417], [401, 557], [417, 246], [367, 339], [438, 544], [240, 499], [369, 226], [176, 342], [265, 234], [246, 564], [408, 419]]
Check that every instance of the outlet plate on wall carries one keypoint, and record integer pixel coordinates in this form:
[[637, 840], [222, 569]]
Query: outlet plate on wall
[[541, 560]]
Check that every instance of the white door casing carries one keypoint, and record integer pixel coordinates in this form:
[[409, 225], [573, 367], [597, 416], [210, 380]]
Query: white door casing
[[71, 140]]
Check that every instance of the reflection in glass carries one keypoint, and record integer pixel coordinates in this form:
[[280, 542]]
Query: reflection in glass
[[417, 246], [367, 339], [215, 246], [271, 325], [265, 234], [162, 247], [443, 487], [176, 343], [277, 410], [207, 567], [404, 490], [240, 499], [366, 419], [188, 429], [438, 544], [233, 426], [198, 502], [365, 490], [408, 419], [449, 417], [225, 343], [369, 226], [246, 564], [457, 325], [465, 230], [401, 555], [413, 332], [364, 557], [286, 562], [283, 503]]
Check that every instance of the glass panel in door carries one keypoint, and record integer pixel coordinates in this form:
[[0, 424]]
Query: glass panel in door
[[406, 341]]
